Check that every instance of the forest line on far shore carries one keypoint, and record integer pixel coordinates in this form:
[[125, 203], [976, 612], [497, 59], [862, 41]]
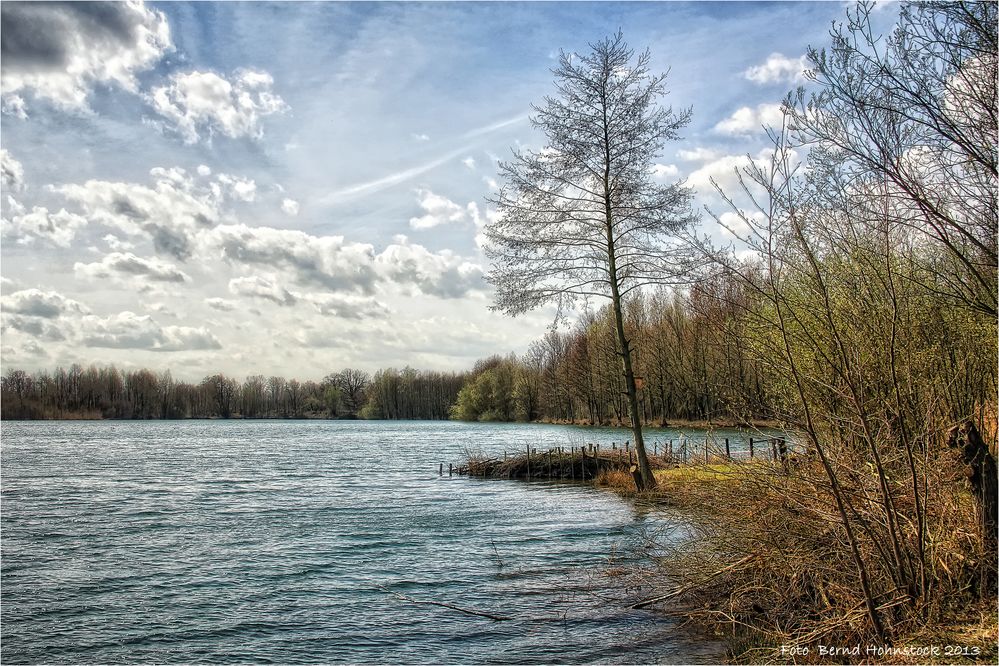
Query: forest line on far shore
[[693, 365]]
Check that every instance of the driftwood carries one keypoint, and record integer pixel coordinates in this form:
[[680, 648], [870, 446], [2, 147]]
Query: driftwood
[[467, 611], [686, 588]]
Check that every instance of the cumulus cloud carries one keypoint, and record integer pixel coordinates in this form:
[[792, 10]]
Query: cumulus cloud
[[238, 187], [221, 304], [56, 228], [290, 207], [735, 225], [45, 304], [443, 274], [726, 168], [199, 105], [664, 171], [469, 162], [11, 171], [169, 213], [419, 137], [258, 286], [438, 210], [119, 265], [747, 120], [127, 330], [778, 68], [698, 154], [346, 306], [58, 51], [328, 261], [36, 327]]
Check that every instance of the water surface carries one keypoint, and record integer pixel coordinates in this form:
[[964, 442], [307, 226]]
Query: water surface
[[281, 541]]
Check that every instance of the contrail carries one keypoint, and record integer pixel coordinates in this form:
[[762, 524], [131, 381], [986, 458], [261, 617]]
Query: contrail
[[402, 176], [390, 180]]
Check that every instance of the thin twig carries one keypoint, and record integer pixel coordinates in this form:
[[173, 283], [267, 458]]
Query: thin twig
[[468, 611]]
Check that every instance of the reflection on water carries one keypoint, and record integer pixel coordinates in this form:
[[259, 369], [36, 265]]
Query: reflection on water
[[236, 541]]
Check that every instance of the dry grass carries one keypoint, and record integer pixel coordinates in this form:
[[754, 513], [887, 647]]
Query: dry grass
[[794, 582]]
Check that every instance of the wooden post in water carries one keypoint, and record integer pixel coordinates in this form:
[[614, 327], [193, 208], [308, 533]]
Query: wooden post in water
[[705, 450], [528, 461], [750, 448], [728, 452], [655, 449], [549, 465], [582, 464], [572, 463], [450, 469], [442, 469]]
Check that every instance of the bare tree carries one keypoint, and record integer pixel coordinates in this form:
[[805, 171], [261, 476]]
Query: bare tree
[[583, 217]]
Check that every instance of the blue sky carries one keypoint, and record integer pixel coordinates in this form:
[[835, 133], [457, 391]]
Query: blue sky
[[293, 188]]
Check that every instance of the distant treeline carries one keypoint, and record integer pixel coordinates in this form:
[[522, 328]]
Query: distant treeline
[[691, 363]]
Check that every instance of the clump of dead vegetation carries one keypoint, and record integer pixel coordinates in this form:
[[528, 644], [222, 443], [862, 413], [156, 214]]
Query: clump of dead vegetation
[[769, 565]]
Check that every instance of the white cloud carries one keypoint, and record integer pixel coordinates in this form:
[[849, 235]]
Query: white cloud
[[439, 210], [199, 105], [327, 261], [59, 51], [345, 306], [723, 170], [127, 330], [221, 304], [664, 171], [726, 169], [419, 137], [45, 304], [747, 120], [204, 170], [443, 274], [11, 171], [469, 162], [258, 286], [699, 154], [290, 207], [169, 213], [119, 265], [239, 188], [56, 228], [735, 225], [116, 244], [778, 68]]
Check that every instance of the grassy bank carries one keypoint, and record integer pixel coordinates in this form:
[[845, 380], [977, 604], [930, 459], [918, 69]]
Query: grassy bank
[[768, 570]]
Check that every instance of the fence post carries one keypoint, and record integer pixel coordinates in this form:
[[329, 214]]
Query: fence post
[[728, 452], [750, 448]]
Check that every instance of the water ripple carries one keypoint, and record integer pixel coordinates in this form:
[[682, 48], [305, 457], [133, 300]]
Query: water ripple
[[275, 542]]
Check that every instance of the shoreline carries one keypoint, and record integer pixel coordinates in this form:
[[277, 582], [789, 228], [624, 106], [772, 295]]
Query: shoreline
[[970, 634]]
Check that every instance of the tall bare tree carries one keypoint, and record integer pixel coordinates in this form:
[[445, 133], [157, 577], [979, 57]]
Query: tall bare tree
[[584, 217]]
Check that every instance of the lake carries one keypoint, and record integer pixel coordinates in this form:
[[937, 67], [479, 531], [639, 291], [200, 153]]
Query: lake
[[282, 541]]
